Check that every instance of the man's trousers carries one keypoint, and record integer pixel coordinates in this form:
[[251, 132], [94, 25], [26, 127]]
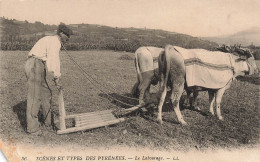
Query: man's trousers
[[39, 94]]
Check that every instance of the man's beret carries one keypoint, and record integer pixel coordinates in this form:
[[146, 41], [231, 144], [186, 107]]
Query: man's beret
[[64, 29]]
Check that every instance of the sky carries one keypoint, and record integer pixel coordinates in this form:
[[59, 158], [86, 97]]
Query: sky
[[193, 17]]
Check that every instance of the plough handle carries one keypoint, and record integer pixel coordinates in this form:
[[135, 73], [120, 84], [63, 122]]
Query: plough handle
[[62, 112]]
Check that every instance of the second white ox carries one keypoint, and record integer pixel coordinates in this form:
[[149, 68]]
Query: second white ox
[[146, 64], [199, 70]]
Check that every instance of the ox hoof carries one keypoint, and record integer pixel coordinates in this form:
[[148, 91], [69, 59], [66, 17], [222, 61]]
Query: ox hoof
[[212, 112], [183, 123], [196, 108], [221, 118], [159, 121]]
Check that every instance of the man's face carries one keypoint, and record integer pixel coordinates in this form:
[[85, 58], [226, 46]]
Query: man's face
[[64, 37]]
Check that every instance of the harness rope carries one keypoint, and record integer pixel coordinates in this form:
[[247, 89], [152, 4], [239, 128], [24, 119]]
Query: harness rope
[[86, 75]]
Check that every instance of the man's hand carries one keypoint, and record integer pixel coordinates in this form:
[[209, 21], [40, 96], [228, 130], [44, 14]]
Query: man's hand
[[57, 83]]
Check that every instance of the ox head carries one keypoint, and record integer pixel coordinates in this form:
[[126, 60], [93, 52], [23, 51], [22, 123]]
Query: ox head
[[246, 55]]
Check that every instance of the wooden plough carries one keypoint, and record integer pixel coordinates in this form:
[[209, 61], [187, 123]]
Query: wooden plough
[[89, 120]]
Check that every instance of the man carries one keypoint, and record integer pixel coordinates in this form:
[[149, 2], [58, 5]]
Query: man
[[43, 57]]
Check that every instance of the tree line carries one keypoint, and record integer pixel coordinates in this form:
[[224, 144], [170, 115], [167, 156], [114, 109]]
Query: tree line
[[22, 35]]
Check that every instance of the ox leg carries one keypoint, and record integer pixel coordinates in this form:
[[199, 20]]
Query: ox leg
[[163, 92], [194, 104], [135, 90], [187, 100], [175, 99], [211, 101], [219, 95], [144, 87]]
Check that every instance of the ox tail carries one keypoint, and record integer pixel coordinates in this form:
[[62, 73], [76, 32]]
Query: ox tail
[[167, 63], [137, 67], [135, 89], [164, 68]]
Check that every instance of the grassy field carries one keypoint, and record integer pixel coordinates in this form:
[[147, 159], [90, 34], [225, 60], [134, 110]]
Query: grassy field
[[240, 108]]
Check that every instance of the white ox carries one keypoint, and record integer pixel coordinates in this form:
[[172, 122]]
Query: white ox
[[146, 64], [177, 69]]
